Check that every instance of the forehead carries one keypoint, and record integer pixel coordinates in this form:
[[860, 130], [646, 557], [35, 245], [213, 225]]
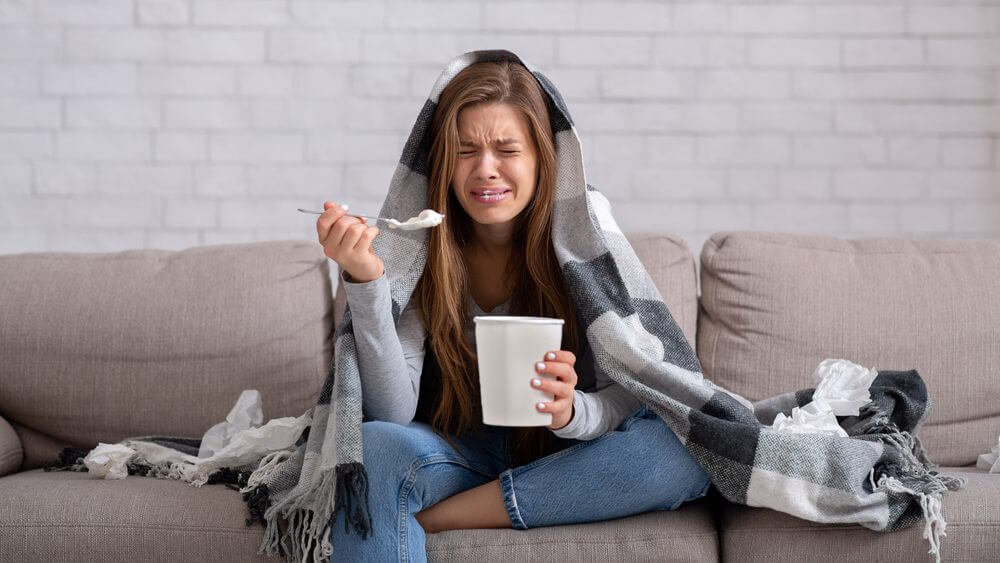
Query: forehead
[[493, 123]]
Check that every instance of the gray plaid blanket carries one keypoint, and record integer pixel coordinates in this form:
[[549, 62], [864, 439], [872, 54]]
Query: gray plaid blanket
[[878, 476]]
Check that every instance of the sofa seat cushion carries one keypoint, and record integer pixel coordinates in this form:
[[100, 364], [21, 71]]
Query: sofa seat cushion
[[71, 516], [685, 534], [973, 531]]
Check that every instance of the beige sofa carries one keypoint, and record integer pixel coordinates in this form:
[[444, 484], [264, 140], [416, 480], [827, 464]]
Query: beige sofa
[[98, 347]]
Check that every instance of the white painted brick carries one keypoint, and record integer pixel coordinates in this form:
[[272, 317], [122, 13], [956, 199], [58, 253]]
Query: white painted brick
[[872, 218], [91, 12], [967, 151], [699, 17], [216, 45], [883, 184], [914, 152], [529, 16], [964, 52], [744, 149], [817, 19], [112, 113], [259, 214], [221, 180], [171, 146], [21, 44], [604, 50], [910, 85], [65, 178], [799, 184], [977, 218], [256, 147], [183, 80], [146, 179], [115, 44], [963, 184], [201, 114], [16, 241], [794, 52], [30, 113], [189, 213], [575, 83], [21, 212], [365, 181], [680, 51], [654, 216], [298, 179], [631, 17], [601, 116], [163, 12], [89, 78], [292, 114], [787, 116], [663, 183], [658, 150], [609, 148], [266, 81], [439, 16], [103, 145], [648, 83], [925, 218], [883, 52], [110, 214], [341, 15], [19, 78], [953, 19], [228, 236], [838, 150], [732, 84], [681, 117], [16, 11], [15, 179], [288, 45], [380, 115], [753, 183], [242, 14], [172, 240], [398, 47], [379, 82], [354, 147], [801, 217], [919, 118], [613, 180], [98, 241], [323, 80], [17, 146], [725, 216], [537, 49]]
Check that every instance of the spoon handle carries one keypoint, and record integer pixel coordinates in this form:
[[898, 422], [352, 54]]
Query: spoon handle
[[353, 214]]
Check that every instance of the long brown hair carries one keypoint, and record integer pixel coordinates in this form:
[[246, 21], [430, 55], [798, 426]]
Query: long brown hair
[[443, 289]]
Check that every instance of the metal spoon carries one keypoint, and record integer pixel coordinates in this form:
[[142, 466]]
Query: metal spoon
[[393, 222]]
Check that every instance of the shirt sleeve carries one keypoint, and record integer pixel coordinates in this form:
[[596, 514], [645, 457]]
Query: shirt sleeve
[[390, 358], [599, 412]]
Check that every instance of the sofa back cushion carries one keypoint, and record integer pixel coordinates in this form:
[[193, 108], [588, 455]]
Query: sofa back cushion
[[667, 259], [774, 305], [103, 346]]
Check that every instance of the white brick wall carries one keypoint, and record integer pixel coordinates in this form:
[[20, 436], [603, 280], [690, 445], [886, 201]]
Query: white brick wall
[[175, 123]]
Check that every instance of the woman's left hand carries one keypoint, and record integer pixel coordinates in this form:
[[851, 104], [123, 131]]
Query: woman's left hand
[[558, 364]]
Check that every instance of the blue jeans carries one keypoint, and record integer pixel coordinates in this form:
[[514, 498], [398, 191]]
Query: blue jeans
[[639, 467]]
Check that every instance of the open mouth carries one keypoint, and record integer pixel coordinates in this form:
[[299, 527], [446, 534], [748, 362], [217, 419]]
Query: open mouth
[[490, 196]]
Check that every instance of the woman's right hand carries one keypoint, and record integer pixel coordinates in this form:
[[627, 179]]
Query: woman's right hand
[[347, 241]]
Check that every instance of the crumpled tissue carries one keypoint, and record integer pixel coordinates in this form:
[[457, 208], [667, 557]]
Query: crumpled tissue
[[109, 461], [990, 460], [842, 389], [246, 413]]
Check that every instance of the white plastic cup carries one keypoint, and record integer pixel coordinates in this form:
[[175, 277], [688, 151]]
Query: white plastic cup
[[508, 347]]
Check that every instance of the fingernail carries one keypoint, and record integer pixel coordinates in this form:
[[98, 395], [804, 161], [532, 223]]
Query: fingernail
[[344, 206], [536, 382], [541, 405], [550, 356], [540, 366]]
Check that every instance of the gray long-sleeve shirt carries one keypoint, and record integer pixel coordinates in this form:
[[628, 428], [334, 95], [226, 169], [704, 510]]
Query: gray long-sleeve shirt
[[390, 360]]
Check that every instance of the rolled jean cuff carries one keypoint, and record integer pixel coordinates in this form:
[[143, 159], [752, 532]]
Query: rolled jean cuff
[[510, 500]]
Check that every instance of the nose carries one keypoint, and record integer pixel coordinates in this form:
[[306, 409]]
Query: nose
[[486, 166]]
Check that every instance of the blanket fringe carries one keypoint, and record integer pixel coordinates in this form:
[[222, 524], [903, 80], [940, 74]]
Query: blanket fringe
[[930, 505]]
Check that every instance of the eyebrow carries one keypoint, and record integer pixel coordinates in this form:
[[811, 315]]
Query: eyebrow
[[466, 143]]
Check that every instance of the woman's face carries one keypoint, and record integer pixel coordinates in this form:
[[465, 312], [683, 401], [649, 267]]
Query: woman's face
[[497, 165]]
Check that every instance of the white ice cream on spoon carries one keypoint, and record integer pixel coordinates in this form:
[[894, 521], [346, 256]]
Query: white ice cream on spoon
[[426, 219]]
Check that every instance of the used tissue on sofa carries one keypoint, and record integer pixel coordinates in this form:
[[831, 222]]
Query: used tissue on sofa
[[109, 460], [990, 460], [842, 388]]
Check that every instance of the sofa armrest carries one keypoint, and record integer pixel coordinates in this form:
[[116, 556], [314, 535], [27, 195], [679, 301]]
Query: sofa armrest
[[11, 452]]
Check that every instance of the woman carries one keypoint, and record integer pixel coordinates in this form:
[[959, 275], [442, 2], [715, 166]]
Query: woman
[[432, 464]]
